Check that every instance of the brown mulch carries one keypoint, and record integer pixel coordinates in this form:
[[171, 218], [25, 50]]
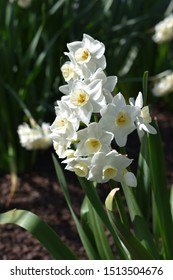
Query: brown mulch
[[38, 191]]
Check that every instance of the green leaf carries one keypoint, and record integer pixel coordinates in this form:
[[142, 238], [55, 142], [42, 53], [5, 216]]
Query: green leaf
[[143, 190], [93, 197], [141, 228], [96, 227], [42, 231], [33, 45], [90, 250], [132, 244], [56, 7], [135, 248], [145, 86], [160, 192]]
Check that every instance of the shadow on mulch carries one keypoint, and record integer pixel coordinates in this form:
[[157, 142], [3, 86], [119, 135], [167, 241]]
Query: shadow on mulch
[[39, 192]]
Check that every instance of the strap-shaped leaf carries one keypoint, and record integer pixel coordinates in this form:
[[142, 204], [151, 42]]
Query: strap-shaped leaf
[[135, 248], [93, 197], [95, 225], [140, 225], [41, 230], [160, 192], [90, 250]]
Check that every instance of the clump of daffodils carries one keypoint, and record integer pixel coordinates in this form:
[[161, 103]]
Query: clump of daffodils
[[164, 30], [34, 138], [163, 86], [89, 118]]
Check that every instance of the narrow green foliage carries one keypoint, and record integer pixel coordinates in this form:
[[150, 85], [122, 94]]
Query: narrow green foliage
[[96, 227], [94, 199], [134, 246], [45, 234], [145, 87], [140, 225], [90, 250], [160, 192], [143, 190]]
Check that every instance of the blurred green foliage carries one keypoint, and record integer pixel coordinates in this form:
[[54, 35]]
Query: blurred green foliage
[[33, 40]]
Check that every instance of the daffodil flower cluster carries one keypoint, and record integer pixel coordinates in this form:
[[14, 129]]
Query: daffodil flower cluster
[[34, 138], [89, 118], [163, 86], [164, 30], [22, 3]]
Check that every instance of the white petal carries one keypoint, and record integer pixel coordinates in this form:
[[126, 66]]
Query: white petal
[[130, 179], [139, 100]]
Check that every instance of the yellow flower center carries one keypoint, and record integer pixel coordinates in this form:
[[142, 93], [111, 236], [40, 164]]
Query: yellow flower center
[[109, 172], [122, 119], [61, 123], [81, 169], [79, 97], [82, 55], [92, 145]]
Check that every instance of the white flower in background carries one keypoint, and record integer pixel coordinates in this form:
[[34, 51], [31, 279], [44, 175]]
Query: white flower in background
[[34, 138], [111, 166], [65, 124], [163, 86], [119, 119], [92, 140], [144, 119], [164, 30], [22, 3], [88, 53], [85, 99]]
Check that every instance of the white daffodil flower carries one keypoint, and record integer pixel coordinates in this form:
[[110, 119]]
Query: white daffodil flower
[[60, 145], [85, 99], [111, 166], [144, 119], [65, 124], [69, 72], [88, 53], [34, 138], [92, 140], [108, 83], [164, 30], [119, 119], [163, 86], [80, 166]]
